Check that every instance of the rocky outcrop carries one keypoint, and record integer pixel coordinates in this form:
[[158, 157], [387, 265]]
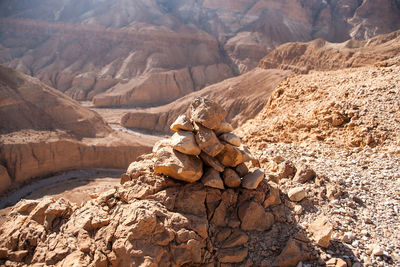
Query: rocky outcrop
[[322, 55], [119, 54], [344, 108], [242, 97], [44, 131]]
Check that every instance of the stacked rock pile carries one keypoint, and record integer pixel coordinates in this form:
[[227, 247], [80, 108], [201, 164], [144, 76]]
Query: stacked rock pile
[[204, 147]]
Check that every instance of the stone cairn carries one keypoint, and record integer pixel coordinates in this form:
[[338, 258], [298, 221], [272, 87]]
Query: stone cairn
[[204, 147]]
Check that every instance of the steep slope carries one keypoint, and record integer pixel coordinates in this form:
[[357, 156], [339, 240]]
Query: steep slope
[[128, 50], [322, 55], [350, 107], [243, 97], [44, 131]]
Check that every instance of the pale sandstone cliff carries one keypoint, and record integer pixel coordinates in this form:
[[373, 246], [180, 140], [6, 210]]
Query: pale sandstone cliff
[[44, 131]]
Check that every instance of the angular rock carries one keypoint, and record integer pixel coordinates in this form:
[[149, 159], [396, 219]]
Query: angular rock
[[336, 262], [212, 162], [253, 179], [185, 142], [213, 179], [178, 165], [304, 174], [230, 138], [225, 127], [286, 169], [160, 144], [253, 217], [237, 238], [208, 141], [231, 178], [294, 252], [321, 230], [206, 112], [232, 255], [181, 123], [136, 169], [230, 156], [297, 194], [242, 169], [273, 197]]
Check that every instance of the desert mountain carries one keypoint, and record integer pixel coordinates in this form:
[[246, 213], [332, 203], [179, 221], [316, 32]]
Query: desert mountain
[[43, 131], [244, 96], [147, 53]]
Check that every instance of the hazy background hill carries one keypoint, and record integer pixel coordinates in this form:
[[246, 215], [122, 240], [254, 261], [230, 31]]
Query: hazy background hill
[[147, 53]]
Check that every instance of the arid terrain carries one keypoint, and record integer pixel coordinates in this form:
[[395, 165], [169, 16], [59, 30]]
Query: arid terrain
[[149, 53], [200, 133]]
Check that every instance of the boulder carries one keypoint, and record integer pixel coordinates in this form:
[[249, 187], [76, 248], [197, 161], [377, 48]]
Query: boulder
[[208, 141], [232, 255], [253, 217], [297, 194], [212, 162], [231, 178], [294, 252], [230, 138], [213, 179], [224, 127], [230, 156], [321, 230], [178, 165], [181, 123], [242, 169], [185, 142], [206, 112], [304, 174], [253, 179]]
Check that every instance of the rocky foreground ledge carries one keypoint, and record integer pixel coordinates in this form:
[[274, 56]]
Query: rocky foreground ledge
[[197, 200]]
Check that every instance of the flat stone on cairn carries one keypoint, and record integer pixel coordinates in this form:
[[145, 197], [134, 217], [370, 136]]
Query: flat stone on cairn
[[203, 139]]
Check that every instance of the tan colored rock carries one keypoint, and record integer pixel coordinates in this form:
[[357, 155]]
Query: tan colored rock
[[5, 180], [212, 162], [208, 141], [224, 127], [206, 112], [242, 169], [184, 141], [160, 144], [231, 178], [253, 217], [230, 156], [297, 194], [336, 262], [181, 123], [136, 169], [178, 165], [212, 178], [294, 252], [230, 138], [304, 174], [253, 179], [286, 169], [321, 230], [232, 255]]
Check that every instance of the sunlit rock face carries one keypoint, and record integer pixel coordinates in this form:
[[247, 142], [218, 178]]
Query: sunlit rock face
[[147, 53]]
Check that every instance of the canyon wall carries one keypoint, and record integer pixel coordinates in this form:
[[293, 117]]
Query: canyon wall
[[147, 53]]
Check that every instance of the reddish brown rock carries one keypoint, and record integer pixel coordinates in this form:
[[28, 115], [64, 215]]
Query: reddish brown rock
[[212, 162], [184, 141], [242, 169], [304, 174], [253, 217], [230, 138], [181, 123], [294, 252], [212, 178], [231, 178], [253, 179], [230, 156], [232, 255]]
